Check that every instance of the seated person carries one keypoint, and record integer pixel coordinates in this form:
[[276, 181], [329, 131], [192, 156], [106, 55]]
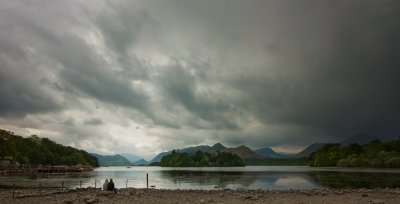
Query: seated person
[[105, 185], [111, 186]]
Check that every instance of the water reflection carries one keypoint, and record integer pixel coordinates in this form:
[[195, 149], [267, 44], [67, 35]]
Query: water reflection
[[233, 178], [357, 179], [216, 179], [246, 180], [49, 181]]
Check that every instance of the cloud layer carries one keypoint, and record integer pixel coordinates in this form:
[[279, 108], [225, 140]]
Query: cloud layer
[[146, 76]]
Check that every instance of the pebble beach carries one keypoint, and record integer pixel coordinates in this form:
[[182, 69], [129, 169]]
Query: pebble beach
[[132, 195]]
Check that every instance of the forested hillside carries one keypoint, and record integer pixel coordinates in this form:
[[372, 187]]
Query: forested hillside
[[373, 154], [201, 159], [34, 150]]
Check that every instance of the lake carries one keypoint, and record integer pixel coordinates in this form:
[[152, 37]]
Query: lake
[[249, 177]]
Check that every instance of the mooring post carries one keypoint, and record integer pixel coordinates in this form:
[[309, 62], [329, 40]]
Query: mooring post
[[13, 190], [40, 187], [80, 184], [147, 180], [62, 185], [95, 182]]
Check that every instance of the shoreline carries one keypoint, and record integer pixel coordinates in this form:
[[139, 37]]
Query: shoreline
[[136, 195]]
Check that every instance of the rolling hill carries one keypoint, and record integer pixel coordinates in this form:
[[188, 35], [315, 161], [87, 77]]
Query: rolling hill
[[308, 150], [131, 157], [112, 160], [267, 152]]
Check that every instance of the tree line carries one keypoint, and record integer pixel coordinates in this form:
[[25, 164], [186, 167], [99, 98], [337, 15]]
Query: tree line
[[374, 154], [201, 159], [278, 162], [34, 150]]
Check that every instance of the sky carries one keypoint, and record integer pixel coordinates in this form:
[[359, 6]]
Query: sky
[[149, 76]]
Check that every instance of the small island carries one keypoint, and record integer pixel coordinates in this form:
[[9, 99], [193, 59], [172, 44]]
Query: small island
[[201, 159]]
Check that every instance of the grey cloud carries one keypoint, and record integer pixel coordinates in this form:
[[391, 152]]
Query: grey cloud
[[87, 72], [19, 98], [121, 24], [82, 69], [180, 86], [93, 121], [20, 88], [69, 122]]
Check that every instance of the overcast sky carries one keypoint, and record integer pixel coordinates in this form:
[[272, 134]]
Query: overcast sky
[[148, 76]]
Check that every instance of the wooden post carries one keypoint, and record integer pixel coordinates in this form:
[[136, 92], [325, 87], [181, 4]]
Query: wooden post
[[147, 180], [40, 187], [13, 190], [126, 184], [95, 182], [62, 185], [80, 184]]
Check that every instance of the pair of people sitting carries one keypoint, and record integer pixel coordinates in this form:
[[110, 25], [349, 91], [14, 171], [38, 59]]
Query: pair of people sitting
[[109, 186]]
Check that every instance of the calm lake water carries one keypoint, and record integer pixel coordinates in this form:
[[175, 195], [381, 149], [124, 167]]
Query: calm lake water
[[250, 177]]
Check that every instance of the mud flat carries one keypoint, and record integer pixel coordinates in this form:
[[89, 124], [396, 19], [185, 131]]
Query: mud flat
[[132, 195]]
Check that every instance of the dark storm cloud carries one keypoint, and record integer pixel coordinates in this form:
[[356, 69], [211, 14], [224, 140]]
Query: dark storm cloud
[[332, 68], [341, 82], [260, 73]]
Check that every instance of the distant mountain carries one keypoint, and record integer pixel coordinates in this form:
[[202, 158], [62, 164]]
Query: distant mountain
[[203, 148], [267, 152], [141, 162], [160, 156], [243, 152], [218, 147], [366, 138], [112, 160], [131, 157], [308, 150]]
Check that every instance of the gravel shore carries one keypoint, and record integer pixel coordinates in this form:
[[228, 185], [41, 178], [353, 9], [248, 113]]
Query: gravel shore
[[131, 195]]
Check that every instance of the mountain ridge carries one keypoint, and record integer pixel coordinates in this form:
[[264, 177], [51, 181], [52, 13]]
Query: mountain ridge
[[131, 157], [112, 160], [242, 151], [268, 152], [308, 150], [140, 162]]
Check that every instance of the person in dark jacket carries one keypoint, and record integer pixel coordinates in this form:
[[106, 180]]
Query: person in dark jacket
[[111, 186]]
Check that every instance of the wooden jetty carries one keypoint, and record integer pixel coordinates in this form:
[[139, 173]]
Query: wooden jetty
[[60, 169]]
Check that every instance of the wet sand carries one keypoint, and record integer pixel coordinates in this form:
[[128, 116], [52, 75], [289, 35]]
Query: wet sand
[[131, 195]]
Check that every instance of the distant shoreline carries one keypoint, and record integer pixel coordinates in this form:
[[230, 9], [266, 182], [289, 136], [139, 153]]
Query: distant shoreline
[[132, 195]]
